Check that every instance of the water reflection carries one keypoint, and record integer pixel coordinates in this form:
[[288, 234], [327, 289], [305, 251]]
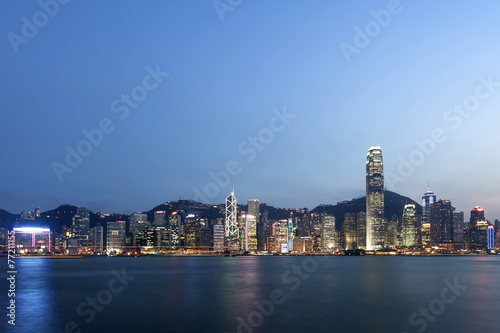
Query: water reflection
[[35, 301]]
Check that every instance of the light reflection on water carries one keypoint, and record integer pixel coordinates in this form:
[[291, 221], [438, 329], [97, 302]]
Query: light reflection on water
[[341, 294]]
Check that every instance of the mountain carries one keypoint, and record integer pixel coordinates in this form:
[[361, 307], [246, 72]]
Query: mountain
[[393, 206], [7, 219]]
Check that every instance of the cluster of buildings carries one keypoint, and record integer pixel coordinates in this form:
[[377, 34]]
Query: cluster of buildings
[[440, 228]]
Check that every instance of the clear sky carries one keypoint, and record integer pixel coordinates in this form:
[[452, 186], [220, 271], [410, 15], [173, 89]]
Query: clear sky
[[342, 76]]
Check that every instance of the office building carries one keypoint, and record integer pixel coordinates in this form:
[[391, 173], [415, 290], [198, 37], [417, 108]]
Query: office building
[[115, 239], [441, 222], [409, 226], [328, 234], [374, 199]]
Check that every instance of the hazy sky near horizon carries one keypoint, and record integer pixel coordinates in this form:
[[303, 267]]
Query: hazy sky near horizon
[[287, 95]]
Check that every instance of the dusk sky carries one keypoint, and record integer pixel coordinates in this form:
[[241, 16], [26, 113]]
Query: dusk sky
[[341, 76]]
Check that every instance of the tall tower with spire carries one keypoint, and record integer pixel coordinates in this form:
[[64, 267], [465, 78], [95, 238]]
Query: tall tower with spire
[[231, 225], [375, 234], [428, 199]]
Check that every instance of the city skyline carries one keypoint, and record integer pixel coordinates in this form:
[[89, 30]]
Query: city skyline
[[289, 105]]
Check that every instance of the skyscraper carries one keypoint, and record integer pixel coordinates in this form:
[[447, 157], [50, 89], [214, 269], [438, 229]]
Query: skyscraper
[[81, 224], [476, 214], [218, 231], [374, 199], [231, 225], [350, 231], [442, 222], [409, 226], [328, 234], [115, 236], [458, 227], [174, 221], [427, 200], [252, 219]]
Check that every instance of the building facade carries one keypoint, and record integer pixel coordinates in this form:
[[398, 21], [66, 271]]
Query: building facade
[[374, 199]]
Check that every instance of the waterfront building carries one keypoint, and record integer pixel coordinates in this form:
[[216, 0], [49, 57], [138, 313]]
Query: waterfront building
[[232, 233], [218, 232], [409, 225], [328, 234], [374, 199], [441, 222], [115, 239]]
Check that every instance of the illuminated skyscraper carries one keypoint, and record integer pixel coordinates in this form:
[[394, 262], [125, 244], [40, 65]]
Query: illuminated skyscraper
[[458, 227], [252, 219], [374, 199], [174, 221], [350, 231], [218, 231], [81, 224], [159, 218], [328, 234], [476, 214], [409, 226], [442, 222], [133, 220], [231, 225], [427, 200], [115, 239]]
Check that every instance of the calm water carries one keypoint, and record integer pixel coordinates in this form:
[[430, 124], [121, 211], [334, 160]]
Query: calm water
[[336, 294]]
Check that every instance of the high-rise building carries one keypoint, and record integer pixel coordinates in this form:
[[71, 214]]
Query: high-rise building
[[458, 227], [409, 225], [160, 218], [115, 236], [142, 230], [476, 214], [281, 235], [218, 237], [193, 232], [391, 232], [206, 240], [442, 222], [231, 223], [133, 220], [174, 222], [328, 234], [98, 239], [428, 199], [81, 226], [361, 217], [374, 199], [252, 218], [351, 231], [481, 237]]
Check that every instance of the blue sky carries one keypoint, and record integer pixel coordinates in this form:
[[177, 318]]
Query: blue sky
[[226, 81]]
